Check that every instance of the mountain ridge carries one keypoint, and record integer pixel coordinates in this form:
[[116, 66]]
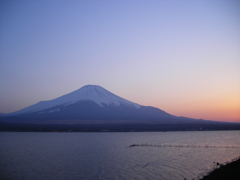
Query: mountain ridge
[[95, 107], [88, 92]]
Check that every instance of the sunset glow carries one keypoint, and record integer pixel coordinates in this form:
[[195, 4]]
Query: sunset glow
[[179, 56]]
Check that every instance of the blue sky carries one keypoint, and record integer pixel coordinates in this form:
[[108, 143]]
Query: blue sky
[[180, 56]]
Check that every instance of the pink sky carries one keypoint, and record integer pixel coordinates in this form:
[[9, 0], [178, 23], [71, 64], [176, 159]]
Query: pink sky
[[180, 56]]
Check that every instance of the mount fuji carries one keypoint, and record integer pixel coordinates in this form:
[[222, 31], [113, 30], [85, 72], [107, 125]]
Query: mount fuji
[[91, 102], [92, 106], [93, 93]]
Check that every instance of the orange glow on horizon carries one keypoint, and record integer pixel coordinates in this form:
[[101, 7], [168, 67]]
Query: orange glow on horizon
[[217, 109]]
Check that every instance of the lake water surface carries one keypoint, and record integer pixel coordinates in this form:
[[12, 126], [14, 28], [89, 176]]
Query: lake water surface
[[63, 156]]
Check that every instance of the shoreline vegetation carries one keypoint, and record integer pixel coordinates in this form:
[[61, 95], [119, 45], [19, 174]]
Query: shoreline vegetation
[[116, 127], [229, 171]]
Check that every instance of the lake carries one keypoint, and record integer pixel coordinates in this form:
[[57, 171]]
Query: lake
[[63, 156]]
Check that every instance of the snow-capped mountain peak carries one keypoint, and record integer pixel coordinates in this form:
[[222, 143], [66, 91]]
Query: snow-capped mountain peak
[[93, 93], [97, 94]]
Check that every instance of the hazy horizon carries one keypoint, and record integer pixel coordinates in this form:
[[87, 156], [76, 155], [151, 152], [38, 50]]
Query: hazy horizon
[[179, 56]]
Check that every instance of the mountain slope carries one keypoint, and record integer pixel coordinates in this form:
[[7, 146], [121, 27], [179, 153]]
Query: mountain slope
[[94, 93], [93, 104]]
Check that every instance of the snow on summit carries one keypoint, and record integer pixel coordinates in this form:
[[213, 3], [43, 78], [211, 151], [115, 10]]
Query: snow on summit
[[101, 96], [89, 92]]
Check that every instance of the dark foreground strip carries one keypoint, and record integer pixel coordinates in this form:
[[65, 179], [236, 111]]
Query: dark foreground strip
[[229, 171]]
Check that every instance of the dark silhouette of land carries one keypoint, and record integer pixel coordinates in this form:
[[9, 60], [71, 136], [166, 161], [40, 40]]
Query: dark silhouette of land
[[111, 127], [230, 171]]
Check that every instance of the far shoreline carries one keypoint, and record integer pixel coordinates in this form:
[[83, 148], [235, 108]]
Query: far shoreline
[[112, 131]]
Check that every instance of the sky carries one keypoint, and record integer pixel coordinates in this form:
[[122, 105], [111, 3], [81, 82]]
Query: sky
[[182, 56]]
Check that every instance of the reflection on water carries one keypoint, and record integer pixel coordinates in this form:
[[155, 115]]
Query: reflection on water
[[108, 156]]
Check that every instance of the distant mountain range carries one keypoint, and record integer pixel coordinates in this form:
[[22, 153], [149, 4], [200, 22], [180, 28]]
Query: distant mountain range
[[94, 108]]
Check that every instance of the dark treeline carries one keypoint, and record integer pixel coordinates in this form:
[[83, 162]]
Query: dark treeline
[[116, 127]]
